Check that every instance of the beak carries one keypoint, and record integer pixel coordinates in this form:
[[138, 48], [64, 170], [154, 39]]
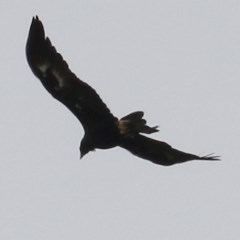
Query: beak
[[82, 155]]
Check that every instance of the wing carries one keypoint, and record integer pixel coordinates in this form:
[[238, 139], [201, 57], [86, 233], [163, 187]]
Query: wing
[[159, 152], [48, 65]]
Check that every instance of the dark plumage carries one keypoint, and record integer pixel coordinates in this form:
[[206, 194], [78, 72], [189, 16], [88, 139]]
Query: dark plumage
[[102, 129]]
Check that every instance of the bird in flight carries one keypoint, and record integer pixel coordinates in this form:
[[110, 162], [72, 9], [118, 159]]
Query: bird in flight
[[102, 129]]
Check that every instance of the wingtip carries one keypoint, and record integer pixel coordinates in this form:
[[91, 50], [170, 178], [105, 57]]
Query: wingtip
[[211, 157], [35, 43], [36, 28], [35, 19]]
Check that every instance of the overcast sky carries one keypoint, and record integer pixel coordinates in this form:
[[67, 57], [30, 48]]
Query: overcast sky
[[179, 62]]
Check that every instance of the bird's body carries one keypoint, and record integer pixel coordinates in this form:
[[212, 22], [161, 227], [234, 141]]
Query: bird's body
[[102, 129]]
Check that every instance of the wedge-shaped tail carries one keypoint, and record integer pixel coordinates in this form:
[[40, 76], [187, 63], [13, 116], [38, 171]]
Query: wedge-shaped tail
[[134, 123]]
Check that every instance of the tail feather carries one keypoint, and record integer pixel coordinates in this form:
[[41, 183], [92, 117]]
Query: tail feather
[[134, 123], [134, 116]]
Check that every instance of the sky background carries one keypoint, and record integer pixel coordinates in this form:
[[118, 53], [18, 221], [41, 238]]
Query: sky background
[[179, 62]]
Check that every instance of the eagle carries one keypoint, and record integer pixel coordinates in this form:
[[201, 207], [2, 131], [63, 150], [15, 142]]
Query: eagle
[[102, 129]]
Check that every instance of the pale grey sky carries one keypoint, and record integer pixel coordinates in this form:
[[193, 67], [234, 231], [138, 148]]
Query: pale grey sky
[[179, 62]]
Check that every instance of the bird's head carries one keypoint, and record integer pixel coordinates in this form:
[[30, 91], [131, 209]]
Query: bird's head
[[85, 146]]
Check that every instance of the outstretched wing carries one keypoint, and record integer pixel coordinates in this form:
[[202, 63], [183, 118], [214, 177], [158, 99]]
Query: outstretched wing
[[158, 152], [48, 65]]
